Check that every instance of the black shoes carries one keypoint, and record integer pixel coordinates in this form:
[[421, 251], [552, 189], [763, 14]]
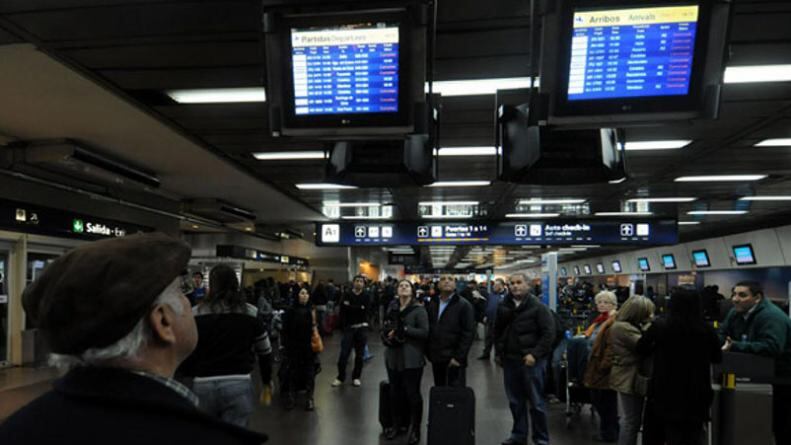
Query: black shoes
[[414, 437], [289, 403], [390, 433], [310, 406]]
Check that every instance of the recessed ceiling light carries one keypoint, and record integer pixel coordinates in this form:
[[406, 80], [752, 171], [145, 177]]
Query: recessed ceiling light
[[688, 223], [757, 73], [550, 201], [365, 217], [532, 215], [467, 151], [351, 204], [766, 198], [218, 95], [324, 186], [717, 212], [461, 184], [720, 178], [786, 142], [617, 181], [623, 213], [194, 226], [289, 155], [657, 145], [446, 216], [479, 86], [249, 229], [448, 203], [662, 199]]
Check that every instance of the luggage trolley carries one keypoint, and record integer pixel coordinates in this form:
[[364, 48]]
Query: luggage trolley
[[575, 360]]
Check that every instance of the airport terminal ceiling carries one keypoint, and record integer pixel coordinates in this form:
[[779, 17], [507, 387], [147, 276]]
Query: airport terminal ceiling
[[140, 49]]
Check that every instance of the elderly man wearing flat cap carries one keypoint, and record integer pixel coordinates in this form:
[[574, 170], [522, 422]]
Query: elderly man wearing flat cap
[[112, 312]]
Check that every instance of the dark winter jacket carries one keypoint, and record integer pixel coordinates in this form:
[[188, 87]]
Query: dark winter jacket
[[97, 406], [297, 330], [767, 331], [527, 329], [411, 327], [353, 309], [450, 336]]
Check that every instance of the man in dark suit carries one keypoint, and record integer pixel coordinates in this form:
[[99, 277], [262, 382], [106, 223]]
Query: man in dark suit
[[451, 331]]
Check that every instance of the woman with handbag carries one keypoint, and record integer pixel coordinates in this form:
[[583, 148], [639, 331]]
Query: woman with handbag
[[299, 339], [630, 373], [597, 372], [404, 334]]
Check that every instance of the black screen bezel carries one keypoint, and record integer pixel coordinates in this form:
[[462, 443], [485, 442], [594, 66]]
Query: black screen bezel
[[706, 253], [647, 264], [614, 269], [645, 104], [736, 257], [664, 264], [348, 120], [563, 272]]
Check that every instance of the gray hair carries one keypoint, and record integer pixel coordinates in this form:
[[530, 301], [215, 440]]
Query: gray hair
[[607, 296], [520, 274], [129, 346]]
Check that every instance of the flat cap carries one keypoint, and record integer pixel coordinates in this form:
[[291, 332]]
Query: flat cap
[[95, 294]]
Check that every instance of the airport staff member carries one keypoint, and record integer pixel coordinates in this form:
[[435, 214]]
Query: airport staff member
[[451, 331], [756, 326], [112, 311]]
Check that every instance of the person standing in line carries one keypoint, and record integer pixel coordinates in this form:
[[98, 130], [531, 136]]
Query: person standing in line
[[524, 331], [353, 318], [630, 372], [452, 329], [405, 332], [298, 323], [494, 300], [597, 373]]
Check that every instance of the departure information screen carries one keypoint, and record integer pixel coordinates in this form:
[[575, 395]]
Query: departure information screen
[[642, 232], [347, 69], [628, 53]]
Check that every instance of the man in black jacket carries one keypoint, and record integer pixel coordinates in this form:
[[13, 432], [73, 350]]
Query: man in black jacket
[[354, 321], [524, 331], [114, 313], [451, 331]]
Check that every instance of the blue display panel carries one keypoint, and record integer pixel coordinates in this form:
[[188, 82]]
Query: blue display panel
[[587, 269], [576, 270], [346, 69], [636, 52], [669, 261], [616, 266], [563, 272], [600, 268], [632, 232], [701, 258], [643, 264], [744, 254]]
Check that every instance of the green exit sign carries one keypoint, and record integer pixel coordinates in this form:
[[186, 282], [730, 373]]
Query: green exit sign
[[77, 226]]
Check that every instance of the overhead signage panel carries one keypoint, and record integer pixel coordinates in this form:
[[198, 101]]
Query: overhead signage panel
[[555, 232]]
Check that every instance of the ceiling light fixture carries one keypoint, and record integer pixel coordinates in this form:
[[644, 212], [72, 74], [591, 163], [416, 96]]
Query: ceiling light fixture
[[289, 155], [448, 203], [623, 213], [477, 87], [656, 145], [617, 181], [324, 186], [662, 199], [351, 204], [766, 198], [785, 142], [688, 223], [720, 178], [717, 212], [461, 184], [550, 201], [757, 73], [446, 216], [467, 151], [218, 95], [532, 215], [365, 217]]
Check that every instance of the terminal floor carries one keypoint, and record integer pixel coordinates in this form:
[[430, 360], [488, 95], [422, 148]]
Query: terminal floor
[[348, 415]]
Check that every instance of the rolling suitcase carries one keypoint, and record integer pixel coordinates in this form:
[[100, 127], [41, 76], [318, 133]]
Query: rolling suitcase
[[451, 416], [385, 407]]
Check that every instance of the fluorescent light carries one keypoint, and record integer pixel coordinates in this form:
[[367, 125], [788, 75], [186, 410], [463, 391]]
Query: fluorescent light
[[218, 95], [289, 155], [775, 143], [717, 212], [550, 201], [467, 151], [446, 216], [324, 186], [623, 213], [656, 145], [351, 204], [586, 246], [688, 223], [448, 203], [662, 200], [757, 73], [461, 184], [532, 215], [476, 87], [720, 178], [617, 181], [766, 198], [364, 217]]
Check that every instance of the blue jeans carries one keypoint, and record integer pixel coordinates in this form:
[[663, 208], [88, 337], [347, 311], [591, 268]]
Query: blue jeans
[[525, 385], [230, 400], [632, 408]]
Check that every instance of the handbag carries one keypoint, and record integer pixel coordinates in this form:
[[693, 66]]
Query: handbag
[[316, 344]]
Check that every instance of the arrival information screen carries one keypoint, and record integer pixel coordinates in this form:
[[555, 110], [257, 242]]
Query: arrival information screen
[[632, 52], [345, 70]]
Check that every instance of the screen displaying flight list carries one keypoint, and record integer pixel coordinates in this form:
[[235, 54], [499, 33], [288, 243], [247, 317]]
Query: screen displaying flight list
[[343, 70], [629, 53]]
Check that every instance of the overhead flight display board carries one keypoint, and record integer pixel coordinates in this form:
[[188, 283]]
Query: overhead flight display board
[[636, 52], [560, 232]]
